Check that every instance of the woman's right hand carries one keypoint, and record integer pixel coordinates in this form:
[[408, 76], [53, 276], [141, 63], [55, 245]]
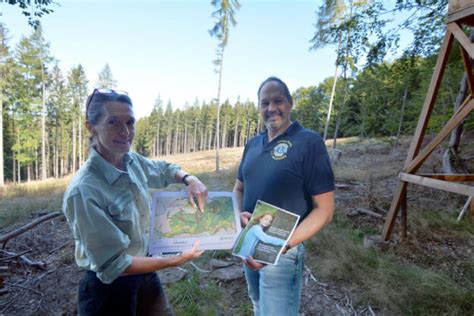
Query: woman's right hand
[[191, 253], [244, 218]]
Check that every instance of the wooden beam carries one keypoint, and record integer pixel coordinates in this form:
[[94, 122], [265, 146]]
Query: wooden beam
[[430, 96], [465, 42], [425, 114], [471, 213], [468, 68], [393, 211], [457, 119], [469, 203], [463, 104], [404, 214], [464, 15], [438, 184], [449, 177]]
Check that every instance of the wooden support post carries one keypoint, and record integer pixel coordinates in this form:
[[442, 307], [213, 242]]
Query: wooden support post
[[403, 209], [457, 119], [420, 129], [468, 69], [438, 184], [462, 38], [449, 177], [430, 96], [471, 213], [393, 211]]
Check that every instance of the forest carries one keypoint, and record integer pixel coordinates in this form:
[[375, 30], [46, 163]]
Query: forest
[[371, 96], [368, 110]]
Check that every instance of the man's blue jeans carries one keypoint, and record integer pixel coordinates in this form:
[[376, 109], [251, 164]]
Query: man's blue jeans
[[276, 289]]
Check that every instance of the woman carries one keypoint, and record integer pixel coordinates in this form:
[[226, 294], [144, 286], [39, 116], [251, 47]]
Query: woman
[[107, 206], [256, 233]]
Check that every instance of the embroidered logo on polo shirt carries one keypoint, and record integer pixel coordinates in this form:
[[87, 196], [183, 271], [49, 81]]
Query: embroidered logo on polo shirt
[[280, 150]]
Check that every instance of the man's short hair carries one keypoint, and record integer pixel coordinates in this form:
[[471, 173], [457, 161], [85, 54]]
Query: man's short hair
[[286, 91]]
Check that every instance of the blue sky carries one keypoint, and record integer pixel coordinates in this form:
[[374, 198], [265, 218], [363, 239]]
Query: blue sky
[[164, 48]]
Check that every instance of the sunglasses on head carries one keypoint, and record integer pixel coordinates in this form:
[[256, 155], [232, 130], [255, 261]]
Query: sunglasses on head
[[103, 91]]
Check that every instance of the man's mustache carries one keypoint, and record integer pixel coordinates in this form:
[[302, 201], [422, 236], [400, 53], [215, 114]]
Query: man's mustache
[[268, 115]]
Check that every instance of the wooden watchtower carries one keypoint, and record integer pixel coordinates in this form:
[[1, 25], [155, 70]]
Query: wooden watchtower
[[460, 13]]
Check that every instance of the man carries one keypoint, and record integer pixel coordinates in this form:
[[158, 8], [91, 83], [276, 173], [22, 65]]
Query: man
[[287, 166]]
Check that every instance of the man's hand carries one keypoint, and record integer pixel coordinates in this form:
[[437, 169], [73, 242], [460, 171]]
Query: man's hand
[[244, 218], [196, 190], [252, 264]]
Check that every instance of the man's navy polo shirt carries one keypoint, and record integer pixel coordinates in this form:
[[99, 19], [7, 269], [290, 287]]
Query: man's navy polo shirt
[[287, 171]]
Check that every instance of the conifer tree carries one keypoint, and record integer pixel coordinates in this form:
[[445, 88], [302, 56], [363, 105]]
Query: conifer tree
[[224, 16]]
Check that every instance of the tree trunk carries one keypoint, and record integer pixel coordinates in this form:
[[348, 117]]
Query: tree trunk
[[2, 181], [195, 135], [346, 86], [336, 131], [36, 166], [56, 153], [2, 177], [218, 107], [19, 163], [157, 139], [451, 153], [402, 113], [185, 140], [79, 141], [43, 125], [331, 99], [74, 146], [224, 133], [28, 173], [333, 92], [236, 128]]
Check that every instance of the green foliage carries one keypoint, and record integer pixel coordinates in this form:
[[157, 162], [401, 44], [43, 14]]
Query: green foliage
[[190, 297], [106, 79], [33, 10]]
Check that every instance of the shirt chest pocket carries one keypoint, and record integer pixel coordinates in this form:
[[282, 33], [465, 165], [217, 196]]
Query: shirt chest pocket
[[121, 207]]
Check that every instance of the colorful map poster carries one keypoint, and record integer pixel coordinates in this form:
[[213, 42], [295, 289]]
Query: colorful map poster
[[175, 224]]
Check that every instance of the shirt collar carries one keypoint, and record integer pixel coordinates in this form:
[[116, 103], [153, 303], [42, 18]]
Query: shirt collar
[[291, 130], [110, 172]]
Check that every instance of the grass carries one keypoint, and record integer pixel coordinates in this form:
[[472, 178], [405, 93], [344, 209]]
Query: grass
[[384, 280], [407, 279], [190, 297], [18, 202]]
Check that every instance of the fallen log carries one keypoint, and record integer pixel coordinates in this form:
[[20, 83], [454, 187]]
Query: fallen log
[[464, 209], [367, 212], [21, 230], [35, 264]]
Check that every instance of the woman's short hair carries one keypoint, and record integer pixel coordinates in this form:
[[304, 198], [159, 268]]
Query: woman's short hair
[[95, 104], [283, 85]]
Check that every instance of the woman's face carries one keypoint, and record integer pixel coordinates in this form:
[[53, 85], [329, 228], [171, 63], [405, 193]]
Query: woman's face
[[266, 220], [115, 130]]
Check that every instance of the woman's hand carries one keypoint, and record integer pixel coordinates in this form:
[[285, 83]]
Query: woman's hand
[[252, 264], [244, 218], [191, 253], [196, 190]]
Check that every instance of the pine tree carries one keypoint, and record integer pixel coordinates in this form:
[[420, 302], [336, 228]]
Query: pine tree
[[224, 16], [106, 79]]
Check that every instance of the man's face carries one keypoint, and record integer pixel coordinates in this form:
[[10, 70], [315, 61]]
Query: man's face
[[274, 107]]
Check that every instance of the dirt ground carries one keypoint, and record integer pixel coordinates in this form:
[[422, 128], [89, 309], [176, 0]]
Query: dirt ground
[[52, 291]]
